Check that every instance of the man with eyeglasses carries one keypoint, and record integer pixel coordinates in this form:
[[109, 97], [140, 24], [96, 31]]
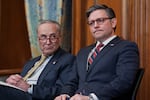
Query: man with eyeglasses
[[106, 69], [45, 82]]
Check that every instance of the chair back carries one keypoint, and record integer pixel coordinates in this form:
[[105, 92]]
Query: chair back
[[137, 82]]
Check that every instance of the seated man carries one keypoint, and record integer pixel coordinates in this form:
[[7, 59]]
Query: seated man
[[106, 69], [51, 74]]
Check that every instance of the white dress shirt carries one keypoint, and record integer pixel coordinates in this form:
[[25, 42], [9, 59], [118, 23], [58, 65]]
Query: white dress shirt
[[34, 78]]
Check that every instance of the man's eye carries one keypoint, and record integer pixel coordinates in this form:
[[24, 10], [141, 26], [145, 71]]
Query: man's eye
[[100, 20], [90, 23], [43, 37], [53, 36]]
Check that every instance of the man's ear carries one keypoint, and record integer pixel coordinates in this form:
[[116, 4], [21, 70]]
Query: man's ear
[[114, 22]]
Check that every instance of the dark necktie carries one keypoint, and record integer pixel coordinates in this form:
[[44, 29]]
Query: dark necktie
[[95, 53]]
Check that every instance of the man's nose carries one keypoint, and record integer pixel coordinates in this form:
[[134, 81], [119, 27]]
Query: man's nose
[[96, 24], [48, 40]]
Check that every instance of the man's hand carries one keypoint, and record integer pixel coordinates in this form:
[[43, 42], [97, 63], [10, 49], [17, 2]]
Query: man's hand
[[18, 81], [75, 97], [13, 79], [79, 97], [62, 97]]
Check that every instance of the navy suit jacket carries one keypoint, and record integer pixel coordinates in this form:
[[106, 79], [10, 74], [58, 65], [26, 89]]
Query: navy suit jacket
[[51, 79], [110, 76]]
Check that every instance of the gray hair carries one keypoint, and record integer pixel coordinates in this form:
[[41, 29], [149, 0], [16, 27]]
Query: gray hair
[[50, 21]]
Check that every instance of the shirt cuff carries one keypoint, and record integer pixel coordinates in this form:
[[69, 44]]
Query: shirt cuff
[[30, 89], [93, 96]]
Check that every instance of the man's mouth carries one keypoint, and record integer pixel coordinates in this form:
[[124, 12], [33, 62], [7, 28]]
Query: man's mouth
[[49, 47], [97, 31]]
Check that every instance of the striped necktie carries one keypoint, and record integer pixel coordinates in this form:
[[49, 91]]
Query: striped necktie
[[94, 54], [36, 65]]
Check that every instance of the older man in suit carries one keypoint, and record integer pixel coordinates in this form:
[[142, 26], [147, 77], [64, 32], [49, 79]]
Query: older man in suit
[[45, 82], [104, 70]]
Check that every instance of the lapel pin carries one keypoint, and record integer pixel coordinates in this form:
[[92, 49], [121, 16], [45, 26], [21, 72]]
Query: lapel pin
[[112, 44], [54, 62]]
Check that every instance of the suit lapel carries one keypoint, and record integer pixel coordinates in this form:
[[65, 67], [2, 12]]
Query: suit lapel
[[50, 66], [104, 51], [85, 58]]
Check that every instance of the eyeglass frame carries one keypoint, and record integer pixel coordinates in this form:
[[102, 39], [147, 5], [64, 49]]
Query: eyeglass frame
[[99, 21], [52, 37]]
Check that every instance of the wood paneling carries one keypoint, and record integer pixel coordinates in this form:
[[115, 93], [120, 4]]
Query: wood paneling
[[14, 42], [137, 25]]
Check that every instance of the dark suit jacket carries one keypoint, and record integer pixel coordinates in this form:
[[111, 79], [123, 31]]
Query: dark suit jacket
[[110, 76], [51, 79]]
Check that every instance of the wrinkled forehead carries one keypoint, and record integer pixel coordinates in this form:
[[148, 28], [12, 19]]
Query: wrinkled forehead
[[48, 28], [48, 23]]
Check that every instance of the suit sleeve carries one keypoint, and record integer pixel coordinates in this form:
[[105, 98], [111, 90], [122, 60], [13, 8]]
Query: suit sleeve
[[72, 85]]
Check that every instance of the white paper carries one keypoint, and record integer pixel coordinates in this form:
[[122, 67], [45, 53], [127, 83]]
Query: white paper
[[9, 85]]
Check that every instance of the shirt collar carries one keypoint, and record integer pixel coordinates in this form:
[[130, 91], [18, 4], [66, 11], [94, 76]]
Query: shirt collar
[[106, 41]]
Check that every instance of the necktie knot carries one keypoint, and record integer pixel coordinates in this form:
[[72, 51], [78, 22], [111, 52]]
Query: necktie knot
[[42, 59], [99, 47]]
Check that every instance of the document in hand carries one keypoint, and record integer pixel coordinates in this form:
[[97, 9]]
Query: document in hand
[[9, 85]]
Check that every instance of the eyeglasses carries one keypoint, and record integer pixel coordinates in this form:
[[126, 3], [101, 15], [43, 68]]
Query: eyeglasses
[[99, 21], [52, 37]]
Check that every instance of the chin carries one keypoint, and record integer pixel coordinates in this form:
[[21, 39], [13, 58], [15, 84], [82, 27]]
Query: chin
[[98, 37], [48, 52]]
